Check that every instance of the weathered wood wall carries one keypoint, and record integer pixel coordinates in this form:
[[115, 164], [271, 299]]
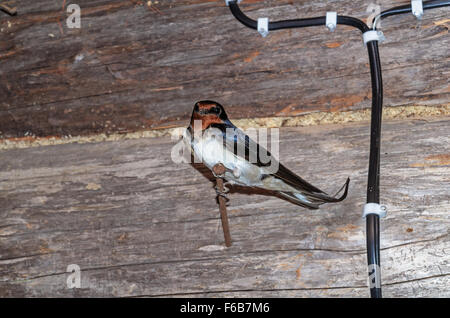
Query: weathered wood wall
[[139, 225], [134, 66]]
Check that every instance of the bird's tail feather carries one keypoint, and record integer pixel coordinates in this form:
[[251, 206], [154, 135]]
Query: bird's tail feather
[[326, 198], [301, 201], [312, 200]]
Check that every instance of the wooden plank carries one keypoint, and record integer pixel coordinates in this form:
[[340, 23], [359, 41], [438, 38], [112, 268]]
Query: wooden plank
[[130, 67], [139, 225]]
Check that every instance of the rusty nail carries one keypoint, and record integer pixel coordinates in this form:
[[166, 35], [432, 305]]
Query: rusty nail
[[219, 170]]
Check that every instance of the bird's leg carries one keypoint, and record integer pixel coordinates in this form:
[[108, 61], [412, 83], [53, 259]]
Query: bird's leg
[[222, 191], [223, 195], [225, 188], [219, 173]]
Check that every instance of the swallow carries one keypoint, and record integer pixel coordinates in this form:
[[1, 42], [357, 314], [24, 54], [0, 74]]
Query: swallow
[[213, 139]]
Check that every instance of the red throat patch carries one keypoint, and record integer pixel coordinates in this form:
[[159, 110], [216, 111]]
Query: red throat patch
[[206, 120]]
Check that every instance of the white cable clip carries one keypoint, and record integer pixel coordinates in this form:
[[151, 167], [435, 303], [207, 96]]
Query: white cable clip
[[263, 26], [373, 35], [374, 208], [417, 8], [228, 1], [331, 20]]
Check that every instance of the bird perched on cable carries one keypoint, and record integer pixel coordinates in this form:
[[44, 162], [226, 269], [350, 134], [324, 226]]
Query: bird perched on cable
[[213, 139]]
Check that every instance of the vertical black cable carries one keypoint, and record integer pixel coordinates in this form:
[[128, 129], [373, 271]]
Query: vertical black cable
[[373, 182], [373, 191]]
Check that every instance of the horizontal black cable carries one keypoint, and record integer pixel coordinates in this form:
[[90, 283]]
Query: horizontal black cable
[[294, 23], [407, 8], [432, 4]]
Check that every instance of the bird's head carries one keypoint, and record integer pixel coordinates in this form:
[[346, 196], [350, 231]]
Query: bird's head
[[208, 112]]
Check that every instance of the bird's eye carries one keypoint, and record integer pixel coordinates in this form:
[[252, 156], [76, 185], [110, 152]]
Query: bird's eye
[[215, 110]]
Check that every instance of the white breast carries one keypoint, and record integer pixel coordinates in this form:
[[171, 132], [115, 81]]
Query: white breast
[[239, 171]]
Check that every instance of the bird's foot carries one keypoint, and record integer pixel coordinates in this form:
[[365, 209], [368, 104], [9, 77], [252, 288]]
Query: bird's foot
[[223, 193], [227, 183]]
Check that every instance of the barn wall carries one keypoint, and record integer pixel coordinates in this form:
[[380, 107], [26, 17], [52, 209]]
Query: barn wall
[[137, 224], [134, 66]]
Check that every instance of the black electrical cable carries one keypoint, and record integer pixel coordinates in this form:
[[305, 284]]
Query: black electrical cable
[[433, 4], [407, 8], [295, 23], [372, 221], [373, 183]]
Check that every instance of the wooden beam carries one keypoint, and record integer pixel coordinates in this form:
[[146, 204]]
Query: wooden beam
[[132, 66], [139, 225]]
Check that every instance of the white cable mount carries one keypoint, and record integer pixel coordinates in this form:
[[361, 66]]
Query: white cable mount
[[263, 26], [375, 208], [417, 8], [228, 1], [331, 20], [373, 35]]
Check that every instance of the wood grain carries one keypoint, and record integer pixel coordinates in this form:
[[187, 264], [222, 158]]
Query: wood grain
[[133, 67], [140, 225]]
